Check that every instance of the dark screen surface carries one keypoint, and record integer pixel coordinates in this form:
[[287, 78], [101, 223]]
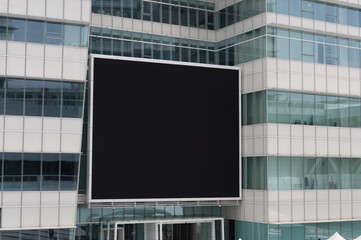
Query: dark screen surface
[[164, 131]]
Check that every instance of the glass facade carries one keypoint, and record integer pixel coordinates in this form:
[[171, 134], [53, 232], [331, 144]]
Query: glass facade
[[196, 14], [303, 231], [274, 106], [317, 10], [43, 234], [30, 97], [238, 49], [39, 171], [94, 214], [34, 31], [300, 173], [313, 47]]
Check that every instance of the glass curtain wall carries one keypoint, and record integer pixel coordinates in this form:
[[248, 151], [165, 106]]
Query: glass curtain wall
[[275, 106]]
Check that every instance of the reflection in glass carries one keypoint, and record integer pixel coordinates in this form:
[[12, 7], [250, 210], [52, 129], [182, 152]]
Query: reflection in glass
[[16, 30], [14, 96], [69, 171], [12, 171], [50, 172], [33, 98], [52, 98], [72, 35], [35, 31], [31, 172]]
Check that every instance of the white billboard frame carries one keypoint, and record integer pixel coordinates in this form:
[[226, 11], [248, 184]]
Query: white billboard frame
[[90, 130]]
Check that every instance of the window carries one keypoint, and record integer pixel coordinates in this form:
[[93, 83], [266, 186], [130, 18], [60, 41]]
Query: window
[[35, 31]]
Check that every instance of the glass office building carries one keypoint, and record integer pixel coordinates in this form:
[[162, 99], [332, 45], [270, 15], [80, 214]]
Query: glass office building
[[301, 115]]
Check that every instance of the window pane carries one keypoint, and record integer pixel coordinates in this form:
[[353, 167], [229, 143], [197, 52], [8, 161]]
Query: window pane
[[343, 56], [258, 107], [320, 53], [352, 15], [298, 231], [346, 173], [272, 106], [16, 30], [12, 171], [156, 12], [356, 173], [332, 111], [272, 173], [308, 109], [54, 33], [334, 173], [342, 15], [344, 108], [50, 172], [284, 166], [319, 9], [165, 13], [260, 172], [73, 94], [295, 50], [296, 108], [353, 55], [31, 172], [295, 8], [3, 25], [127, 8], [297, 173], [285, 232], [321, 173], [283, 107], [282, 6], [321, 106], [249, 231], [33, 98], [52, 98], [309, 171], [355, 112], [35, 31], [283, 48], [331, 51], [2, 94], [69, 171], [72, 35], [84, 36], [307, 48], [250, 173], [14, 96]]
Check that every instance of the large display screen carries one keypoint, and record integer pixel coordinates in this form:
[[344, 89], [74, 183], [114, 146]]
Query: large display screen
[[163, 130]]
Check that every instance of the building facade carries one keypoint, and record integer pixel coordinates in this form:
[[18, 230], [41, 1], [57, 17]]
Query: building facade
[[301, 115]]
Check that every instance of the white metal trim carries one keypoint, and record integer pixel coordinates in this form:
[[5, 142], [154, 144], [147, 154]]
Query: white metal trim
[[90, 128]]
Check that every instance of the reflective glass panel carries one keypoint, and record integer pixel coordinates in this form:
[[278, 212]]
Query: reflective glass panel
[[69, 171], [72, 35], [309, 172], [334, 173], [52, 98], [12, 172], [31, 172], [33, 98], [333, 111], [345, 173], [50, 172], [284, 166], [296, 108], [35, 31], [297, 173], [14, 96], [16, 30]]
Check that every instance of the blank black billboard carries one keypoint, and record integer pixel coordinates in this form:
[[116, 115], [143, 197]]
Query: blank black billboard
[[164, 131]]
